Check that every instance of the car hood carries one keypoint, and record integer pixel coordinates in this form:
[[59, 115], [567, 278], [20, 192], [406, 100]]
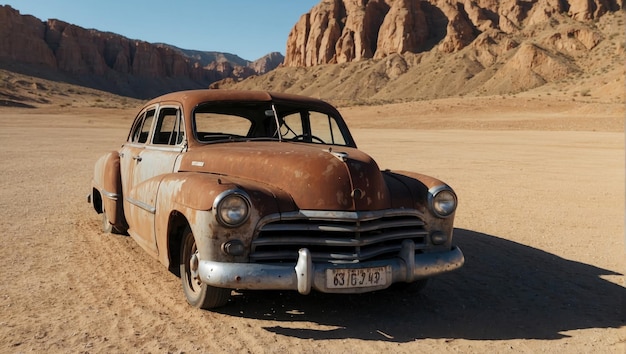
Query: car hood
[[317, 177]]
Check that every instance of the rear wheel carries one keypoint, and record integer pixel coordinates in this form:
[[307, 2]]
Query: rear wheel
[[198, 293]]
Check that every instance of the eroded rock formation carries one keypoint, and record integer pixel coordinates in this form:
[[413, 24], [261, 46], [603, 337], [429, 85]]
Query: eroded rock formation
[[110, 61], [339, 31]]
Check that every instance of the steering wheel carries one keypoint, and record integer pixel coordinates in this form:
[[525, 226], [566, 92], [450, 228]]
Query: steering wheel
[[304, 137]]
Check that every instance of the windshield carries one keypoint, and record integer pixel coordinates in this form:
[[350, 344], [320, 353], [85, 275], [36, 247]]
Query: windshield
[[219, 122]]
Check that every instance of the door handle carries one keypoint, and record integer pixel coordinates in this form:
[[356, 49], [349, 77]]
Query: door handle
[[137, 158]]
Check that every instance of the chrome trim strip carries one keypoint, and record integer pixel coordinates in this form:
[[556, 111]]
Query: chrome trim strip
[[110, 195], [147, 207], [163, 147], [350, 216], [347, 241], [366, 226]]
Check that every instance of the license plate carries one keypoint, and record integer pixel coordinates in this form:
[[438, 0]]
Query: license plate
[[356, 278]]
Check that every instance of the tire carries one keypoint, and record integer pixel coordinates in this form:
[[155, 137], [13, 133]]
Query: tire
[[198, 294]]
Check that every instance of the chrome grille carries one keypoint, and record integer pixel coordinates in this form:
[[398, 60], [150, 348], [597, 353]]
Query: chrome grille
[[343, 238]]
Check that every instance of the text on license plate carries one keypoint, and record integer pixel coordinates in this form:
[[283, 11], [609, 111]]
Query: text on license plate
[[356, 278]]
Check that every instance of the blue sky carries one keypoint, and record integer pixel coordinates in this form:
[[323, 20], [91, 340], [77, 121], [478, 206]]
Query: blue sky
[[247, 28]]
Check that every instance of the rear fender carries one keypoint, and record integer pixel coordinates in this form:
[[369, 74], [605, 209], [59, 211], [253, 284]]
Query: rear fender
[[107, 180]]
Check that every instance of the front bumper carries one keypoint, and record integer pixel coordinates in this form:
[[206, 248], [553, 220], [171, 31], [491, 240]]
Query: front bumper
[[306, 275]]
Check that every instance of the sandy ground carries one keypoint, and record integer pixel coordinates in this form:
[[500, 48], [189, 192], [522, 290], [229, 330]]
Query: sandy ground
[[541, 223]]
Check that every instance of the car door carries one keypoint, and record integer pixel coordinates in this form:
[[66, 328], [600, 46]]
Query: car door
[[154, 151], [131, 150]]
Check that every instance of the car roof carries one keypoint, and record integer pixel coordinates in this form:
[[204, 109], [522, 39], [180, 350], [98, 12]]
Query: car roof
[[191, 98]]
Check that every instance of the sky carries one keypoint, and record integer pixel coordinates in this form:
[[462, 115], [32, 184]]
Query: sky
[[247, 28]]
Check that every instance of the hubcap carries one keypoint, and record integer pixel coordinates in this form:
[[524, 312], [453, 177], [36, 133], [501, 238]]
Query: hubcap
[[195, 281], [193, 267]]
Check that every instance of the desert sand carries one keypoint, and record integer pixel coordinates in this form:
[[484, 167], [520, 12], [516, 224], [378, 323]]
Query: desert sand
[[540, 220]]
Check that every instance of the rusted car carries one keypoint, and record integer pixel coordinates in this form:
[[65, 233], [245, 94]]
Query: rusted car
[[259, 190]]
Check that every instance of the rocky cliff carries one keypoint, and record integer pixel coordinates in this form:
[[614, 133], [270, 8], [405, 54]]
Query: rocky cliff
[[356, 51], [380, 51], [340, 31], [111, 62]]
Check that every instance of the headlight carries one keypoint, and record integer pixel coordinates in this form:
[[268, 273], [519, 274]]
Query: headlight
[[442, 201], [232, 208]]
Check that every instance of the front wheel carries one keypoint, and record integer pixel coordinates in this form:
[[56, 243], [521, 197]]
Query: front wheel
[[198, 293]]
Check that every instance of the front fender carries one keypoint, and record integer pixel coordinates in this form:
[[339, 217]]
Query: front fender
[[420, 186], [192, 195]]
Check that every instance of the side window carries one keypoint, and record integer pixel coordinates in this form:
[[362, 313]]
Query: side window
[[145, 127], [169, 128], [136, 130]]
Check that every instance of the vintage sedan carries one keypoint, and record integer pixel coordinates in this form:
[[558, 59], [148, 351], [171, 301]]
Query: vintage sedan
[[260, 190]]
